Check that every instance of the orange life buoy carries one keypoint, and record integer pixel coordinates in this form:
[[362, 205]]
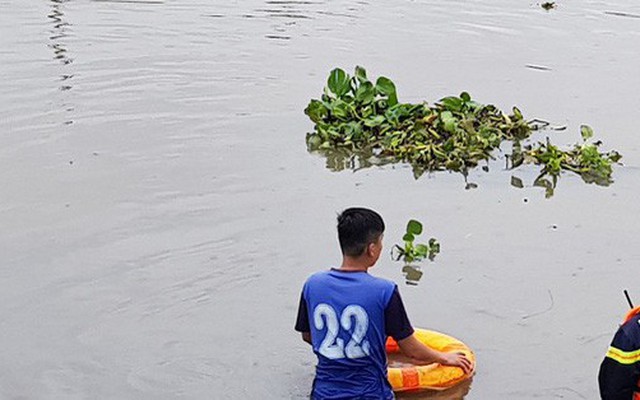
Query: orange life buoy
[[432, 376]]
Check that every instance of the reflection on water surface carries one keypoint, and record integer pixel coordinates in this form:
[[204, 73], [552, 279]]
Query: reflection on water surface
[[457, 392]]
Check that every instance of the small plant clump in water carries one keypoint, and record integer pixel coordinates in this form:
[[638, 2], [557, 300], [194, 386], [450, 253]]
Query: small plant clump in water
[[411, 252], [414, 252], [356, 117], [584, 159]]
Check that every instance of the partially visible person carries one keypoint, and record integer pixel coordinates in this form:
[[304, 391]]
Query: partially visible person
[[619, 376]]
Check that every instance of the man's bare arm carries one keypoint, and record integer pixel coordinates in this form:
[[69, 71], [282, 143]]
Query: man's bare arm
[[306, 336]]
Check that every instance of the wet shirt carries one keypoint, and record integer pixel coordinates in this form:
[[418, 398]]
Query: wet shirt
[[620, 370], [349, 316]]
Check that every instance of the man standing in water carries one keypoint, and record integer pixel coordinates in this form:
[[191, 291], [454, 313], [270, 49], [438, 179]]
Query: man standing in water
[[619, 376], [347, 314]]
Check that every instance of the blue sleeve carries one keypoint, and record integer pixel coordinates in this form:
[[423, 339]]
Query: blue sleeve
[[396, 321]]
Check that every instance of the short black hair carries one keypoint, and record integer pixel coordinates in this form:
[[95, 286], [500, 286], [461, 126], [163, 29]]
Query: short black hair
[[357, 228]]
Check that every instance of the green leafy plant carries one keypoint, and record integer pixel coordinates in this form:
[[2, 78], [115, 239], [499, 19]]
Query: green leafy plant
[[413, 252], [583, 158], [359, 123], [455, 133]]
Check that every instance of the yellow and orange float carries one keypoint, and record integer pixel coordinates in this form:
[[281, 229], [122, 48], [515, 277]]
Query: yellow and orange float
[[409, 377]]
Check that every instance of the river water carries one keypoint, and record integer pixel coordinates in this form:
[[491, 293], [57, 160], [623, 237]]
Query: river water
[[159, 211]]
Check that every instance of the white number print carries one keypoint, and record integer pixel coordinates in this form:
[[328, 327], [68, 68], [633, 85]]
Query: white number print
[[357, 346], [332, 346]]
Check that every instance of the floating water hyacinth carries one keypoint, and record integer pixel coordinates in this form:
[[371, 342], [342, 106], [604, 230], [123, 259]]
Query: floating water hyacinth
[[412, 253], [359, 123]]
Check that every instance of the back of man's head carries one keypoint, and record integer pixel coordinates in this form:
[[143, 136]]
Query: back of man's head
[[357, 228]]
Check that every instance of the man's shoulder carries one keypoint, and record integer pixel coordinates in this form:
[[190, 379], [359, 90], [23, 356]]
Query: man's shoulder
[[318, 276], [631, 331], [627, 337], [316, 279], [383, 281]]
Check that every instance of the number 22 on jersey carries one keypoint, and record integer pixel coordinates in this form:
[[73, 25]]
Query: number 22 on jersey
[[354, 319]]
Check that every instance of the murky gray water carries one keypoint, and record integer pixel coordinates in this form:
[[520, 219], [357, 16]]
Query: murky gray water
[[159, 211]]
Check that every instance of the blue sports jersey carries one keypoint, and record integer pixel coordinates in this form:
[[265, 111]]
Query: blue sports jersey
[[347, 325]]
